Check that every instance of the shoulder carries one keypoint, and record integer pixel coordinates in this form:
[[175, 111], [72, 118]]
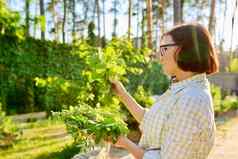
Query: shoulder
[[196, 93], [196, 99]]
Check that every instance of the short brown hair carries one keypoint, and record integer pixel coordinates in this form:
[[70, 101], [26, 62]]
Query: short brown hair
[[197, 52]]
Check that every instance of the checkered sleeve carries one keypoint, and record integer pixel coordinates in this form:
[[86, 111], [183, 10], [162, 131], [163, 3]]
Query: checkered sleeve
[[183, 128], [143, 142]]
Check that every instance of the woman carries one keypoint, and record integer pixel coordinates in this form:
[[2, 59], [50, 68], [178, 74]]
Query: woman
[[180, 125]]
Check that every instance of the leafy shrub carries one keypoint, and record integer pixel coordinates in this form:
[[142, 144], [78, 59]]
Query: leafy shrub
[[90, 126], [8, 130], [9, 21], [223, 105], [59, 93], [98, 114], [234, 65], [53, 76], [23, 61], [229, 103], [216, 95]]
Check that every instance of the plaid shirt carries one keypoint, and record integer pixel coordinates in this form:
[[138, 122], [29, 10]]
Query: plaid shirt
[[181, 122]]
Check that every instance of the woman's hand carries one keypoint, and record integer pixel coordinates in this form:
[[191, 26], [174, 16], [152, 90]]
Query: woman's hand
[[134, 108], [121, 141], [125, 143], [118, 88]]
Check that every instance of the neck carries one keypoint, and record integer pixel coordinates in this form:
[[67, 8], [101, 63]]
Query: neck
[[182, 75]]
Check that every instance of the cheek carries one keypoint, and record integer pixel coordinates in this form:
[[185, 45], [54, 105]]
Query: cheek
[[169, 64], [168, 60]]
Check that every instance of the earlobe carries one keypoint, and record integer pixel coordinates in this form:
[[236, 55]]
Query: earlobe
[[178, 49], [176, 54]]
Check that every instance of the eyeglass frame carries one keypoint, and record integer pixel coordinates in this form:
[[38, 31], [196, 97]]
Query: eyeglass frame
[[165, 45], [154, 55]]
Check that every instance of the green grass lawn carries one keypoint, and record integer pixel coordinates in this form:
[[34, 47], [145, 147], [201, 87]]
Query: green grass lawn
[[45, 139]]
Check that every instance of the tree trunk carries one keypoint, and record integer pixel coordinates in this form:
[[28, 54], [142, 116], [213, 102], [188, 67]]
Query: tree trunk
[[138, 21], [115, 18], [64, 20], [94, 11], [224, 17], [74, 19], [86, 9], [232, 30], [211, 25], [42, 14], [104, 19], [27, 19], [129, 20], [51, 9], [161, 8], [143, 38], [181, 13], [177, 12], [149, 23], [56, 23], [35, 20], [98, 23]]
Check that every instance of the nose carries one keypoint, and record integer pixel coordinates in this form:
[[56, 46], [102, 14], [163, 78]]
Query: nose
[[152, 56]]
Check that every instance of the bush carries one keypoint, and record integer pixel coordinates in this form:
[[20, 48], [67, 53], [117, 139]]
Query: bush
[[229, 103], [9, 21], [58, 93], [8, 130], [216, 95], [23, 61], [98, 114], [233, 67], [90, 126], [223, 105], [51, 77]]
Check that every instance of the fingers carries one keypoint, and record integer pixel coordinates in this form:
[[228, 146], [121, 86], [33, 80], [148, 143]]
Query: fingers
[[121, 141], [117, 87], [112, 79], [109, 139], [115, 83]]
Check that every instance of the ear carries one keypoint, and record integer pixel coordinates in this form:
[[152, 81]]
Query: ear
[[177, 51]]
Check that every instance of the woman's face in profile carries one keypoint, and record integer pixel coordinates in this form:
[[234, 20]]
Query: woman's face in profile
[[166, 55]]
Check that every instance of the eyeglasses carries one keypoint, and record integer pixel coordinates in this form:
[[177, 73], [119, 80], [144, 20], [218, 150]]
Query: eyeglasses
[[164, 48]]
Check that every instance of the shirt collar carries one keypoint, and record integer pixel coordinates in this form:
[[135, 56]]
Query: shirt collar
[[199, 80]]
